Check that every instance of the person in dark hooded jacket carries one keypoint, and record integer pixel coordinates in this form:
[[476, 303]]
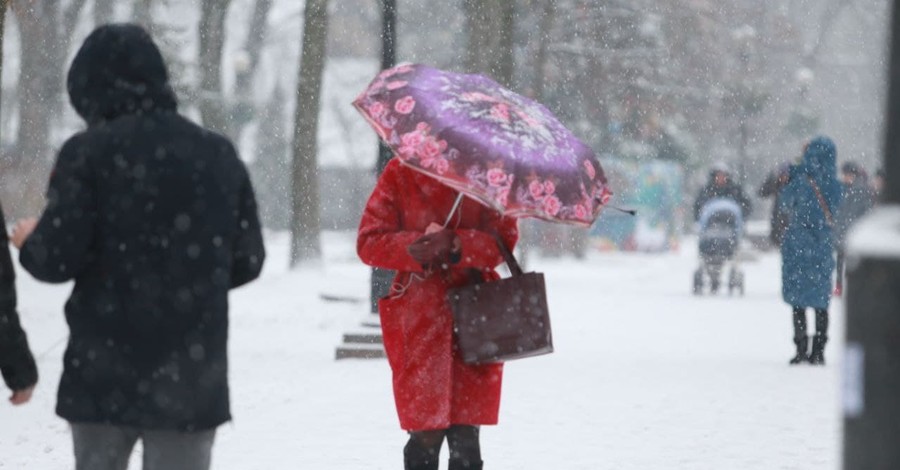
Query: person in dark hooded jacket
[[155, 219], [811, 198], [858, 198], [16, 362], [771, 187], [721, 185]]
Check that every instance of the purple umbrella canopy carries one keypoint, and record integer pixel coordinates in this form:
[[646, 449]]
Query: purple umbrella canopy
[[491, 144]]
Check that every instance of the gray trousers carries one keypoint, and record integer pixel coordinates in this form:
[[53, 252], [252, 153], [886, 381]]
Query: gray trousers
[[107, 447]]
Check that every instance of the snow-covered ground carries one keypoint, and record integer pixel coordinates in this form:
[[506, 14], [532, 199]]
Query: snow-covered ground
[[645, 375]]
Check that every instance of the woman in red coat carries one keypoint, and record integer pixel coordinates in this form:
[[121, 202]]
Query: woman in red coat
[[436, 394]]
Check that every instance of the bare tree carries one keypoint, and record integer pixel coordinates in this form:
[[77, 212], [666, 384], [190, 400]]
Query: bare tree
[[490, 24], [4, 4], [45, 25], [143, 13], [212, 40], [103, 11], [305, 218], [246, 70]]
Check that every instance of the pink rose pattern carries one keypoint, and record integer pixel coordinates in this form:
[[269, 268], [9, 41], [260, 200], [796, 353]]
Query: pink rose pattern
[[423, 148], [405, 105]]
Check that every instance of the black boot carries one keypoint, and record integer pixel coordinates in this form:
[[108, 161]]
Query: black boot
[[422, 450], [465, 448], [802, 348], [800, 339], [462, 464], [817, 358]]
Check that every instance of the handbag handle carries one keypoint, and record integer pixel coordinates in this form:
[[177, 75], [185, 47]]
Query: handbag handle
[[511, 262]]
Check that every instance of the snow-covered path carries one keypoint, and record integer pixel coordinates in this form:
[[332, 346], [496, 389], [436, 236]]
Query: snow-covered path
[[645, 376]]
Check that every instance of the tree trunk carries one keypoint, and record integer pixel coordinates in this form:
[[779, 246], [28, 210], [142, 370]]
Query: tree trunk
[[271, 170], [212, 39], [245, 73], [253, 45], [4, 4], [305, 219], [142, 13], [104, 11], [40, 90], [530, 230], [490, 25]]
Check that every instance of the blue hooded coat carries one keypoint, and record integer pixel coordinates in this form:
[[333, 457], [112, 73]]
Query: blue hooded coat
[[807, 250]]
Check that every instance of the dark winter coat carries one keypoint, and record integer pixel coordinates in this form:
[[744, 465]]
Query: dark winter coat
[[771, 187], [154, 218], [729, 190], [807, 250], [16, 362], [433, 387], [858, 199]]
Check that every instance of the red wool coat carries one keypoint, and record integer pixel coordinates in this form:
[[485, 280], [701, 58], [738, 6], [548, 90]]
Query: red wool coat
[[433, 388]]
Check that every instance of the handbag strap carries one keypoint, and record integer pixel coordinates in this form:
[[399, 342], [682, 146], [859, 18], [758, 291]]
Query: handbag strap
[[824, 205], [511, 262]]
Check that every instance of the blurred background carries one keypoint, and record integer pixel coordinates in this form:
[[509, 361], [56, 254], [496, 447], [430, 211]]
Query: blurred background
[[660, 89]]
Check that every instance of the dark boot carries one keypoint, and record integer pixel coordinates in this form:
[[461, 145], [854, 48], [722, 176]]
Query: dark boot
[[802, 348], [465, 448], [462, 464], [800, 339], [817, 357], [422, 450]]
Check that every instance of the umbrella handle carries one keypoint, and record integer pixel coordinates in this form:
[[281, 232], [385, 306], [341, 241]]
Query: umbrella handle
[[453, 209]]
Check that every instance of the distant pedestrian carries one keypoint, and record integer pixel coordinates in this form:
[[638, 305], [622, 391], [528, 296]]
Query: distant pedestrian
[[771, 187], [858, 198], [155, 219], [811, 198], [16, 362], [437, 395], [722, 185]]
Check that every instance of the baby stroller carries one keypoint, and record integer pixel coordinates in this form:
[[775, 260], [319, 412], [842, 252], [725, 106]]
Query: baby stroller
[[721, 227]]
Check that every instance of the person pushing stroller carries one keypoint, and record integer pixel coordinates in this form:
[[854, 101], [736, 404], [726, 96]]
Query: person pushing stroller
[[720, 210]]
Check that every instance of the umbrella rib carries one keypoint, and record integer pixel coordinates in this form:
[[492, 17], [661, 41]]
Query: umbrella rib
[[453, 209]]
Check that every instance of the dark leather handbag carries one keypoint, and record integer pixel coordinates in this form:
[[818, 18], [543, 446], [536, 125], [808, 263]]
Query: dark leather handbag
[[502, 320]]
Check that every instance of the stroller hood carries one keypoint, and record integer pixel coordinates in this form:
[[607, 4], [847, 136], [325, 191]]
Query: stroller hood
[[717, 205]]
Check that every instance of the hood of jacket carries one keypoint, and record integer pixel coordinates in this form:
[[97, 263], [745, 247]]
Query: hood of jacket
[[820, 158], [118, 71]]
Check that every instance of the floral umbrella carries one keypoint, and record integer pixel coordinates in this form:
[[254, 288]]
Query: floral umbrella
[[496, 146]]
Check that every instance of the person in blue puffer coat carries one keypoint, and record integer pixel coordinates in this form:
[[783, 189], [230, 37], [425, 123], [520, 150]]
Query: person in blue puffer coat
[[810, 198]]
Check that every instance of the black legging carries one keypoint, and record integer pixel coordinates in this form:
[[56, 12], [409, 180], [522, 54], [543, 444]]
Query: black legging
[[800, 322], [424, 447]]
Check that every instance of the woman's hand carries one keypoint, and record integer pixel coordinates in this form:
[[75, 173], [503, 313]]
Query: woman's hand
[[21, 231], [20, 397], [436, 248]]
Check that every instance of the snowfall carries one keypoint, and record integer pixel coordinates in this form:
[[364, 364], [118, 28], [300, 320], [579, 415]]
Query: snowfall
[[645, 375]]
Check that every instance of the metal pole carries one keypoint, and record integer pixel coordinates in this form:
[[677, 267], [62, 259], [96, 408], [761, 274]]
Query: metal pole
[[388, 60], [381, 278], [872, 356]]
